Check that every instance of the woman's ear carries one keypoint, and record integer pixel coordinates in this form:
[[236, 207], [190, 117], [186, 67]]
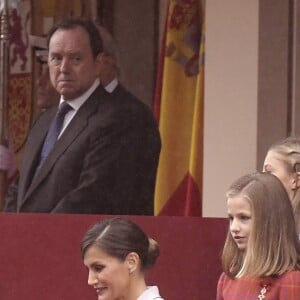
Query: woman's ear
[[297, 180], [132, 260], [295, 184]]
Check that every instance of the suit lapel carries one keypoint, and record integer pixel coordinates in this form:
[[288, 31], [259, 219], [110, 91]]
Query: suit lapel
[[32, 149], [75, 128]]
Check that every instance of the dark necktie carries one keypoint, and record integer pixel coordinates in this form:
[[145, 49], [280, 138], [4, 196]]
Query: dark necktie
[[54, 131]]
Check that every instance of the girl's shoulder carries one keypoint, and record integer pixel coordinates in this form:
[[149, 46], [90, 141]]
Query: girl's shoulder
[[292, 276]]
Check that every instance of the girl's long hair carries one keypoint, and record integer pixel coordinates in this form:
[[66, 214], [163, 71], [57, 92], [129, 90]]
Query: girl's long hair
[[273, 245]]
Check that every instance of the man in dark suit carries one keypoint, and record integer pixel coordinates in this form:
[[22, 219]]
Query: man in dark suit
[[105, 158]]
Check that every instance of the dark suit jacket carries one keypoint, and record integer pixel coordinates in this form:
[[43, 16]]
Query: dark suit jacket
[[105, 162]]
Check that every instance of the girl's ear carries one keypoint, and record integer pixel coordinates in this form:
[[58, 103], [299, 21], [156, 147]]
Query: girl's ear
[[132, 260]]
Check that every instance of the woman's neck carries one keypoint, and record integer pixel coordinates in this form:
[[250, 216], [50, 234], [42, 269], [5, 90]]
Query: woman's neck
[[137, 287]]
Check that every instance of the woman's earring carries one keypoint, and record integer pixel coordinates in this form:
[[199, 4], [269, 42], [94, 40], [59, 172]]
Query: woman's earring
[[131, 270]]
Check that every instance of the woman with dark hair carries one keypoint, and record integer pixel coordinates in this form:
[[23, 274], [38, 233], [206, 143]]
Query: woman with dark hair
[[117, 253]]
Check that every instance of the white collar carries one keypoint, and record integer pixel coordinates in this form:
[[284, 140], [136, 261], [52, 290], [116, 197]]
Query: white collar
[[112, 85], [150, 293], [77, 102]]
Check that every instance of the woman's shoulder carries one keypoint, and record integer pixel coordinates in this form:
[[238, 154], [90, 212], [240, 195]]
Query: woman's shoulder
[[150, 293]]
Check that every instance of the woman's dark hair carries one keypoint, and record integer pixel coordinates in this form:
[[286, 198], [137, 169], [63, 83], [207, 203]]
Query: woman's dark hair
[[118, 237], [87, 25]]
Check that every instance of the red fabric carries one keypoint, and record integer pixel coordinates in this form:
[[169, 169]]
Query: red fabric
[[19, 108], [186, 200], [286, 287], [158, 85]]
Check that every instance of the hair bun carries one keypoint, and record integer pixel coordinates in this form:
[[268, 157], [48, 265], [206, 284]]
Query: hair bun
[[153, 253]]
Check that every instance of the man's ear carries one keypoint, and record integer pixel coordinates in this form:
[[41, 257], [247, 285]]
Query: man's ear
[[132, 260]]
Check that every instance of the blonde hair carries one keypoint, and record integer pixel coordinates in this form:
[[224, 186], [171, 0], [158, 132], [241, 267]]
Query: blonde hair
[[273, 246], [288, 151]]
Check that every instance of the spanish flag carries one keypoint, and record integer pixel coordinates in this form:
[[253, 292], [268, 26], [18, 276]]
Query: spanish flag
[[178, 107]]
